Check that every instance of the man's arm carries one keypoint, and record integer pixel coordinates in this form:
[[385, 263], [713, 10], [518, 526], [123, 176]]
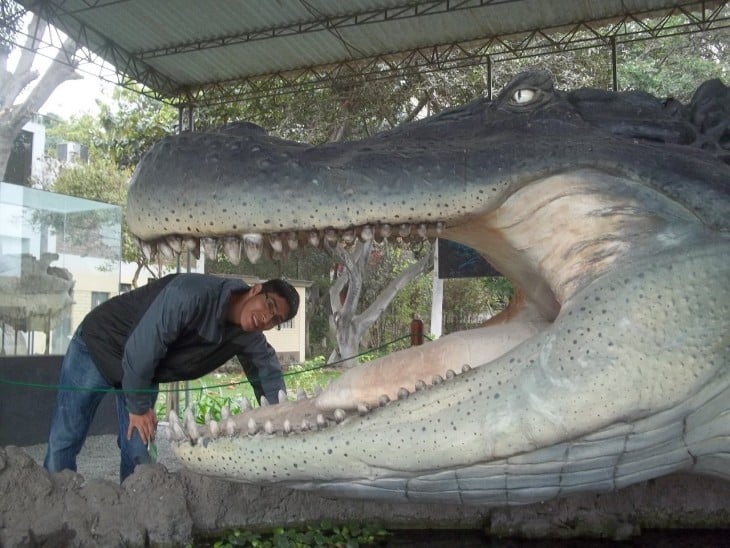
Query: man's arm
[[172, 311], [262, 368]]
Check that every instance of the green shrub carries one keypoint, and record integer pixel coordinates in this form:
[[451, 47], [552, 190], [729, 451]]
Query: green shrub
[[209, 394]]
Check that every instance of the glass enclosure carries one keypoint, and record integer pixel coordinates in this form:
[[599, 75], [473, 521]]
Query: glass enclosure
[[59, 257]]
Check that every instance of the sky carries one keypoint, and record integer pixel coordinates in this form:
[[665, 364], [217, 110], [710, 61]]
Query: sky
[[77, 97], [73, 97]]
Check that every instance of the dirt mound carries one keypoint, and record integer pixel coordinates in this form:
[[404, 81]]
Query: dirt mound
[[157, 507]]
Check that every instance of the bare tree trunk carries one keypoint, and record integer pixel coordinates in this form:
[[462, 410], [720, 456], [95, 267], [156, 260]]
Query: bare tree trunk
[[345, 293], [345, 296]]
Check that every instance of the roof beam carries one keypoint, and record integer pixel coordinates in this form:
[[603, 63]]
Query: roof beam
[[628, 28]]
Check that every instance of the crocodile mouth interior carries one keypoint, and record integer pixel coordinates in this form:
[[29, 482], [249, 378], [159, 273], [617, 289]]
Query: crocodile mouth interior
[[367, 387]]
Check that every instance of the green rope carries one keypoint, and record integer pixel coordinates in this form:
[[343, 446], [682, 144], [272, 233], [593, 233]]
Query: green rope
[[151, 390]]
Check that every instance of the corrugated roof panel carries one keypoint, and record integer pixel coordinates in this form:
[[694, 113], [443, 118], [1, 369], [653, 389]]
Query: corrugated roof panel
[[177, 44]]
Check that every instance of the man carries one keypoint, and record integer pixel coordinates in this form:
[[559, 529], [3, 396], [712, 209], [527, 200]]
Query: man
[[179, 327]]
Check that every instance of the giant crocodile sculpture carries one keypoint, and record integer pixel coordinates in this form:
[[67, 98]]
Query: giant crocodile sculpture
[[609, 214]]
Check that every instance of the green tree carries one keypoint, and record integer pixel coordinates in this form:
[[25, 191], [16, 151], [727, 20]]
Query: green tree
[[117, 137], [673, 67], [122, 130], [103, 181]]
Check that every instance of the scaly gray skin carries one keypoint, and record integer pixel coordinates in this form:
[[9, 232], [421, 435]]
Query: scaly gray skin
[[611, 366]]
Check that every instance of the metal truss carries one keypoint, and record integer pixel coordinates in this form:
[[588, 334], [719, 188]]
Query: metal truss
[[629, 28], [121, 68]]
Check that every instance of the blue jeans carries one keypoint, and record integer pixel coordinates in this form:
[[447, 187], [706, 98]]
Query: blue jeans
[[82, 390]]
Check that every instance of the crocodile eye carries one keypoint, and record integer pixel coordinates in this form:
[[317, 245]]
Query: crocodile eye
[[523, 96]]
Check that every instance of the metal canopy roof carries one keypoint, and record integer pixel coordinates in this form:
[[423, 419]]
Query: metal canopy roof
[[189, 52]]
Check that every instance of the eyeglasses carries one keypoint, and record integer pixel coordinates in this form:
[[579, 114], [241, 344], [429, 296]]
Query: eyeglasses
[[274, 319]]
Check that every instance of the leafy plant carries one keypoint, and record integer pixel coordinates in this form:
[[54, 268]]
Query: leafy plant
[[210, 405], [209, 394]]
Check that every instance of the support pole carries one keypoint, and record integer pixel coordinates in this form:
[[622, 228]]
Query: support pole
[[614, 68], [437, 299]]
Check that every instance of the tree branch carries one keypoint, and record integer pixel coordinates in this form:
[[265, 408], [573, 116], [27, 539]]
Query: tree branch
[[369, 316], [23, 74], [58, 72], [13, 117]]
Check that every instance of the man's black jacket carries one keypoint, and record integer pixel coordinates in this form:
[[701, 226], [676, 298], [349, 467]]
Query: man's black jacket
[[175, 329]]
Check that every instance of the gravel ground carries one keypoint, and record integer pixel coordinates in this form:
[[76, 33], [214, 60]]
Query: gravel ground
[[99, 458]]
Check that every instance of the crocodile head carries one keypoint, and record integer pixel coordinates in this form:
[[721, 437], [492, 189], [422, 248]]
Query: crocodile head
[[608, 212]]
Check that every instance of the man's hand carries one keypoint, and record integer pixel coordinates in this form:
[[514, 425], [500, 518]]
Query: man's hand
[[145, 425]]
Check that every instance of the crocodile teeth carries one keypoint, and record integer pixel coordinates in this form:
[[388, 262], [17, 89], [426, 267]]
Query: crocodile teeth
[[165, 250], [175, 243], [282, 396], [147, 250], [269, 427], [193, 245], [253, 245], [331, 236], [232, 249], [252, 427], [276, 244], [176, 432], [264, 402], [210, 248], [215, 429], [340, 415], [192, 429], [403, 393], [292, 241], [348, 236]]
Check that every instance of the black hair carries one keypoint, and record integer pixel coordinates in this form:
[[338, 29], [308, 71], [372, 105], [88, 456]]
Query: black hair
[[286, 291]]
